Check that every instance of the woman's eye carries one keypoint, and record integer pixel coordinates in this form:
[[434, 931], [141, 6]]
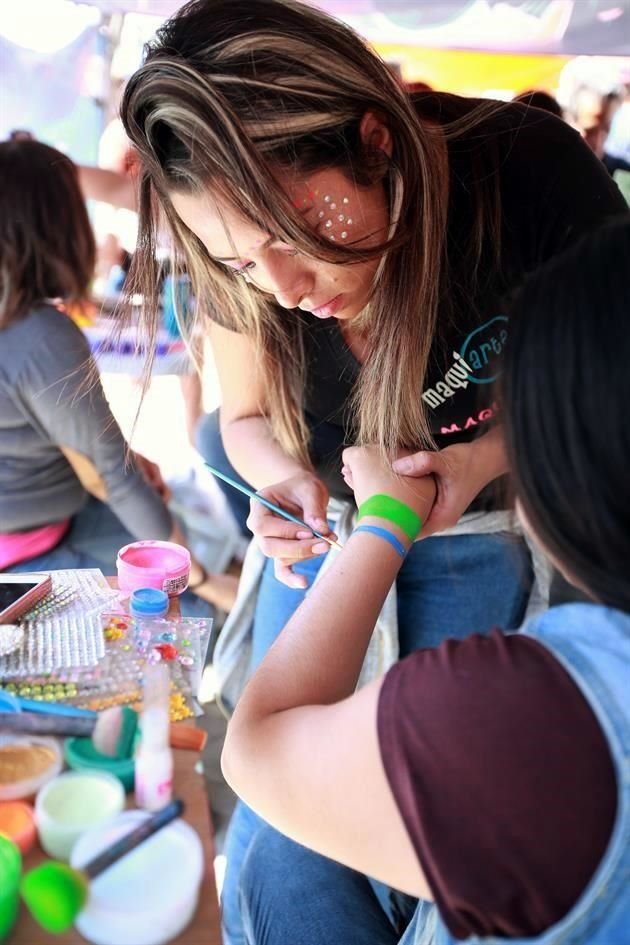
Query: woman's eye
[[244, 269]]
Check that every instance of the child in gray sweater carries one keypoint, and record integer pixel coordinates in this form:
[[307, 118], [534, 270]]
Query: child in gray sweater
[[71, 493]]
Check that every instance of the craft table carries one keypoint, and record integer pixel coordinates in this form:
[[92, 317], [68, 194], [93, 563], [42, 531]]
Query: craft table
[[189, 784]]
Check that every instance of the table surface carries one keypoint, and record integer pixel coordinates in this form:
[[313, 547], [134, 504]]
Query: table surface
[[189, 784]]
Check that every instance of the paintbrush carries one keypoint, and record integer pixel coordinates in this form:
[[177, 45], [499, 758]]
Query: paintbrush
[[113, 731], [55, 893], [12, 703], [270, 505]]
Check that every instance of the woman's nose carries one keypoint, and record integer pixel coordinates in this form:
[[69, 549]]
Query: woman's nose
[[289, 280]]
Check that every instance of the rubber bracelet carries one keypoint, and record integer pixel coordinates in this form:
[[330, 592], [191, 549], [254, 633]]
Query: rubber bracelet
[[386, 535], [393, 510]]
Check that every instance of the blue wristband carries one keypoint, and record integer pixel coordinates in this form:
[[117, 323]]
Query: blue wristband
[[386, 535]]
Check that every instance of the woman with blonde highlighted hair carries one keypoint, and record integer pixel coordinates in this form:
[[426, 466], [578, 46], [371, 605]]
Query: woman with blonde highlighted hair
[[353, 250]]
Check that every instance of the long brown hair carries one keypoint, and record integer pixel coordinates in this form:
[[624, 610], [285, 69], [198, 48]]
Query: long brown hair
[[229, 92], [47, 248]]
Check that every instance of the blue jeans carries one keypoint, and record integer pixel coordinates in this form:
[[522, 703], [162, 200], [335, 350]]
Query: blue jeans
[[210, 446], [447, 588], [307, 899], [93, 541]]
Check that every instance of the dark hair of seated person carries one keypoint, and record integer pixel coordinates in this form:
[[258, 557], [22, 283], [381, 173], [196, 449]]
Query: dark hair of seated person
[[574, 333], [47, 248]]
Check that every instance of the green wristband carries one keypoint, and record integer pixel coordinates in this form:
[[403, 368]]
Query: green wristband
[[393, 510]]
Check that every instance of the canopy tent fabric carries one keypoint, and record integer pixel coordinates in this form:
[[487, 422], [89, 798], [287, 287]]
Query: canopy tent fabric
[[561, 27]]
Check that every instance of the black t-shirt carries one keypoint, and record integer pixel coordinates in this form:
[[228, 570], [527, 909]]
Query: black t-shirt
[[552, 190]]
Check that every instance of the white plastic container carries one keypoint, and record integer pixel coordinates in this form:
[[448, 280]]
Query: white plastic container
[[150, 895], [73, 803]]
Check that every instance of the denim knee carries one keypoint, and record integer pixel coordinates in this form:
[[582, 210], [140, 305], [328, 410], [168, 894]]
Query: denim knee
[[272, 861], [291, 894]]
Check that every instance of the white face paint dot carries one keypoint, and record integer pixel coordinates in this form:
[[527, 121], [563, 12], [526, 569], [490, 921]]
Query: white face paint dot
[[349, 221], [343, 235], [320, 214], [341, 218], [332, 238], [346, 200], [333, 206], [328, 224], [327, 199]]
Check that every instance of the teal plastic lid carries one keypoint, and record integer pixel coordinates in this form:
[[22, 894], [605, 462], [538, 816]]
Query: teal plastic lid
[[80, 754], [148, 602]]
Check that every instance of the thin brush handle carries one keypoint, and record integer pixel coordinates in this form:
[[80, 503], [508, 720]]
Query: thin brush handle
[[36, 723], [133, 839], [270, 505]]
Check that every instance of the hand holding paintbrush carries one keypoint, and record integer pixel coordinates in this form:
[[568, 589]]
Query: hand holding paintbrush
[[277, 539]]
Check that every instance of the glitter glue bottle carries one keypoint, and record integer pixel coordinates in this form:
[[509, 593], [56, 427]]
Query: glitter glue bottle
[[154, 759]]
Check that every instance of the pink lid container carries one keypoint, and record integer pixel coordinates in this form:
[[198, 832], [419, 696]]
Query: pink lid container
[[163, 565]]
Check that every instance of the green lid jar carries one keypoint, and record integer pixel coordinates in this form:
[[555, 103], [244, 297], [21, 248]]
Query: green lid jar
[[10, 869]]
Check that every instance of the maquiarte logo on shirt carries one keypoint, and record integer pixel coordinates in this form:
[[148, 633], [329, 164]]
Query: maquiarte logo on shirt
[[476, 362]]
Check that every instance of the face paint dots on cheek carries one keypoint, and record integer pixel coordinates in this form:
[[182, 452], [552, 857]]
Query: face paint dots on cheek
[[334, 217]]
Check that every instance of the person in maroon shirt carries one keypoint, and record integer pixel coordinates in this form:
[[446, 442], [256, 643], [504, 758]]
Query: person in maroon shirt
[[476, 775]]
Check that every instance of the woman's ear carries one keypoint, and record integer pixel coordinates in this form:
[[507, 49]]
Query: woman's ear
[[375, 134]]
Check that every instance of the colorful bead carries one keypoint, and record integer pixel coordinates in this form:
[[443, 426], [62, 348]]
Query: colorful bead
[[167, 651]]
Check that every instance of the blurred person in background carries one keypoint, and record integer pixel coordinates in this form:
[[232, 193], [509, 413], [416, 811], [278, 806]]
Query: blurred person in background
[[617, 147], [71, 492], [591, 113]]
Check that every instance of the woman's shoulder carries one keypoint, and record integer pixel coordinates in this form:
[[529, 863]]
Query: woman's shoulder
[[510, 132], [479, 117], [48, 315], [43, 343], [45, 321]]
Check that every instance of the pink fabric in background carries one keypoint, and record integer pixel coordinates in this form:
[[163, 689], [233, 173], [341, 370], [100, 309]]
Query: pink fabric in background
[[20, 546]]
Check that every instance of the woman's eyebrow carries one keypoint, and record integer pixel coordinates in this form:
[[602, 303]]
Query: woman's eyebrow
[[267, 242], [264, 245]]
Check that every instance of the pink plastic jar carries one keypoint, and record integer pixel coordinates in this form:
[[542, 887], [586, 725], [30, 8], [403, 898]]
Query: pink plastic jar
[[163, 565]]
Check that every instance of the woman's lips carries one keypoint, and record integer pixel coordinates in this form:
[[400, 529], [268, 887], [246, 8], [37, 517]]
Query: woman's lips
[[329, 309]]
